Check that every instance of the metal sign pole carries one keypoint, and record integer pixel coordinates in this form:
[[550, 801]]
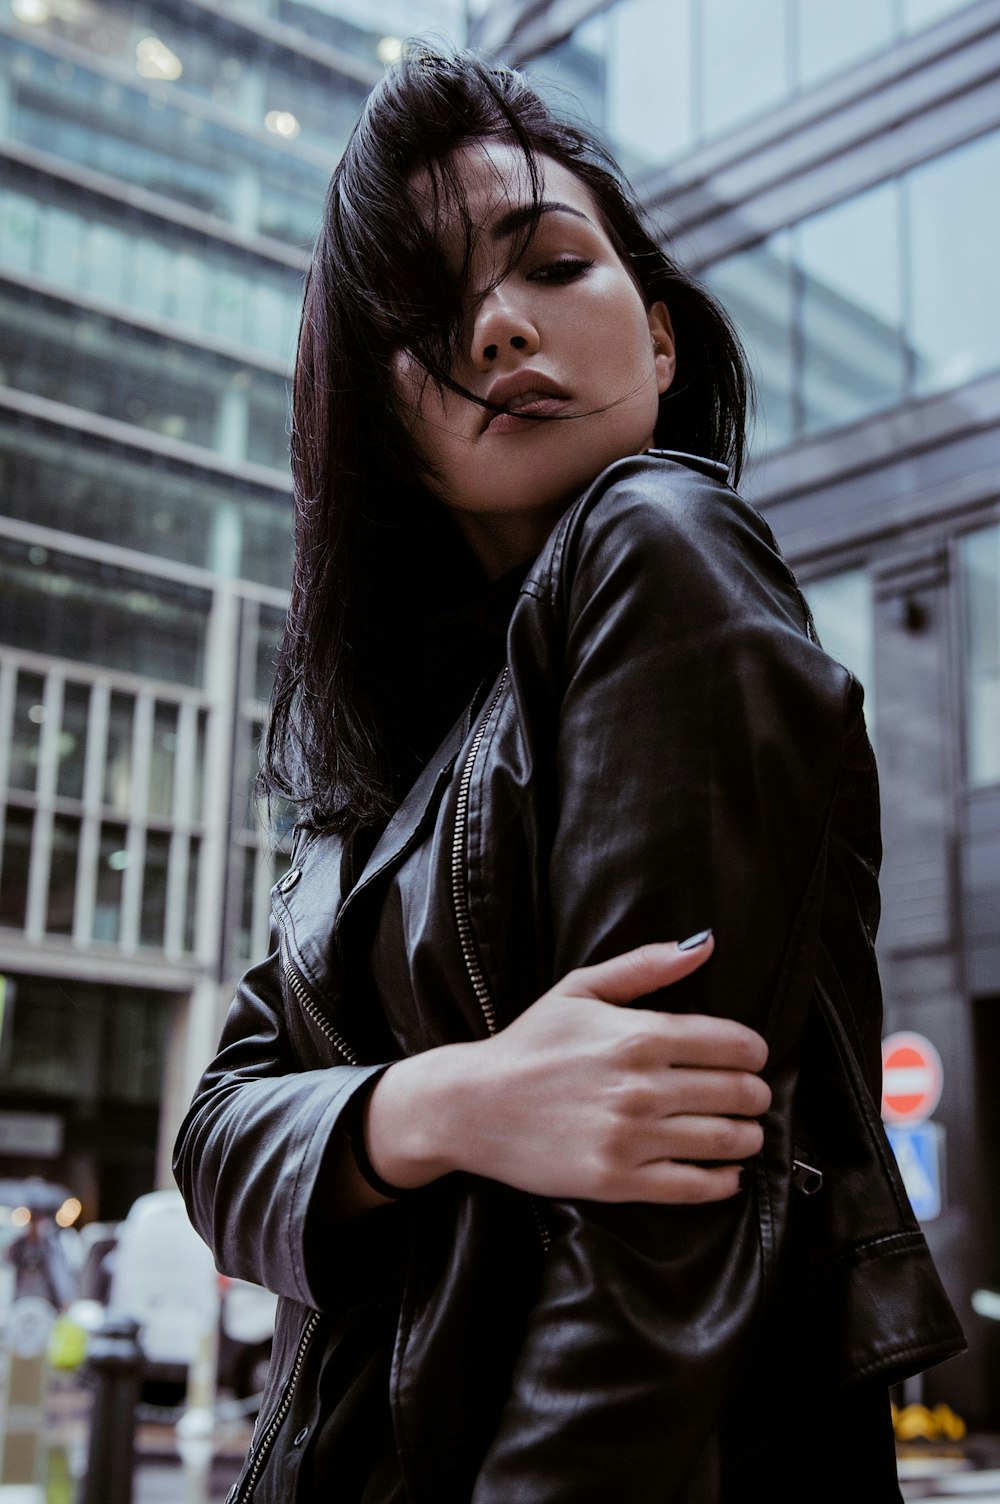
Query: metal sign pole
[[22, 1407]]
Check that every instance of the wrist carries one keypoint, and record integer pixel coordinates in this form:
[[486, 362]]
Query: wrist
[[415, 1120]]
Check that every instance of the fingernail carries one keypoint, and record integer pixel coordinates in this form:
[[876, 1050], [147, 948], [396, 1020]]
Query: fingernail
[[693, 941]]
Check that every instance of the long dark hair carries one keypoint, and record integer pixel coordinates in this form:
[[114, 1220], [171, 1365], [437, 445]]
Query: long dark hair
[[375, 553]]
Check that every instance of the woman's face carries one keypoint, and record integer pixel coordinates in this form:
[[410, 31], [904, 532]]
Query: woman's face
[[564, 334]]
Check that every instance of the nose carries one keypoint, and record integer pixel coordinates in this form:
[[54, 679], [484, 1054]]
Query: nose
[[502, 325]]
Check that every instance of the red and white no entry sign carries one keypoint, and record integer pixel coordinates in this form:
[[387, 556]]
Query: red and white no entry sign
[[912, 1078]]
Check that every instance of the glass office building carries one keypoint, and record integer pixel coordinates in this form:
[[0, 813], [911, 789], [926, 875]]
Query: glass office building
[[833, 173], [162, 172]]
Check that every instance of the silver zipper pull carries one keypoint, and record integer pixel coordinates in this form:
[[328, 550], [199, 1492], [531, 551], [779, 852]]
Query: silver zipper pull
[[806, 1178]]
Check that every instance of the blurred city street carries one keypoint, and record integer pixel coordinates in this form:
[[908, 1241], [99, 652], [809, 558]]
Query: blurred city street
[[933, 1469], [160, 1475], [966, 1470]]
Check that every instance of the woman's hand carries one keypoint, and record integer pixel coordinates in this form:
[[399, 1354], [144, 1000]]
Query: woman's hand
[[582, 1097]]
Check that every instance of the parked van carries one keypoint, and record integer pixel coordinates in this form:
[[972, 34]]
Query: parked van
[[164, 1277]]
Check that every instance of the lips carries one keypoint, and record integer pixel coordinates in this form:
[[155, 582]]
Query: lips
[[525, 395], [514, 419]]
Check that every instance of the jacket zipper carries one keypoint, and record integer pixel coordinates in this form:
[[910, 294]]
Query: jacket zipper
[[270, 1436], [307, 1005], [460, 902], [459, 893]]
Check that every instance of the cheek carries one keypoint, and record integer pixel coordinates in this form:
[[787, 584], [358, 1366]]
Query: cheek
[[616, 320]]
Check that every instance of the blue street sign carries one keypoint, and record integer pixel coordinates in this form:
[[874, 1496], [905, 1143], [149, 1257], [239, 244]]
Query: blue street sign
[[919, 1151]]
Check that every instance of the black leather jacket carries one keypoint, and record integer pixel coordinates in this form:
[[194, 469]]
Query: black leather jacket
[[667, 748]]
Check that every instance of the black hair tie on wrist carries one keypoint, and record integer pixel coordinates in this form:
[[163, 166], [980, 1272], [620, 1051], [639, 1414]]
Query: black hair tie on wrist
[[352, 1126]]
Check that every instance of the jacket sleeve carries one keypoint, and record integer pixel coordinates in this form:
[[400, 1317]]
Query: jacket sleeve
[[695, 762], [253, 1160]]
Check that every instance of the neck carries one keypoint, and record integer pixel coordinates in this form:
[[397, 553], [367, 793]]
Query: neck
[[501, 543]]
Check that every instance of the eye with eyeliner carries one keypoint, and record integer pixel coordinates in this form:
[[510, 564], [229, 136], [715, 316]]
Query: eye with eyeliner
[[563, 269]]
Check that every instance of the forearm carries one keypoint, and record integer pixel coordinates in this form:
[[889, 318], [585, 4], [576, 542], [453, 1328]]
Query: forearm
[[407, 1131]]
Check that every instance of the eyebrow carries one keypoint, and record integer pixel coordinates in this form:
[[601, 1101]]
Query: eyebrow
[[517, 219]]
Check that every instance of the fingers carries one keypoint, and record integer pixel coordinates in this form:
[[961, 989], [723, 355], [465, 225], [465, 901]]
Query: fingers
[[700, 1137], [695, 1039], [637, 973], [722, 1043], [713, 1093], [686, 1185]]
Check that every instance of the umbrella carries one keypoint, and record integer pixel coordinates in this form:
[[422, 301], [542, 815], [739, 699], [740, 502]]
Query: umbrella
[[42, 1197]]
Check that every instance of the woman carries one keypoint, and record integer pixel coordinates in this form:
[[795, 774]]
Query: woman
[[515, 1258]]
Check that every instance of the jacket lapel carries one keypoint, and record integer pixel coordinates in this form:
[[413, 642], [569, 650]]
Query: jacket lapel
[[407, 823]]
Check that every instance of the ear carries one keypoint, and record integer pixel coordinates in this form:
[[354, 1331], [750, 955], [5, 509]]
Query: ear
[[664, 351]]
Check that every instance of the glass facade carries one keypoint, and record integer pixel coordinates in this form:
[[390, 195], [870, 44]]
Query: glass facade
[[197, 106], [843, 313], [98, 364], [62, 480], [954, 265], [853, 354], [979, 557], [93, 1057], [758, 291], [110, 787], [659, 77], [71, 607], [132, 697], [842, 605], [137, 135], [262, 829], [372, 30], [113, 255]]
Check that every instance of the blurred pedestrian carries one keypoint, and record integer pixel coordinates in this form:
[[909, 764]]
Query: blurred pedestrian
[[40, 1264]]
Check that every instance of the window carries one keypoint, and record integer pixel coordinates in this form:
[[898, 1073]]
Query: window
[[55, 603], [844, 312], [629, 68], [851, 309], [979, 556], [660, 76], [231, 528], [747, 59], [159, 273], [955, 265], [831, 38], [105, 806], [920, 13], [842, 608], [109, 367], [100, 1044], [270, 625], [757, 290], [153, 141]]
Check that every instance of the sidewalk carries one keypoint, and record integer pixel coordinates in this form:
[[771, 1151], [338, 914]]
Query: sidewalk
[[930, 1473], [934, 1474], [164, 1481], [160, 1477]]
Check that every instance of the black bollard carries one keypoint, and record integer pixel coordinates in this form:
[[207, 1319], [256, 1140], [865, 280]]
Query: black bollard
[[114, 1362]]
